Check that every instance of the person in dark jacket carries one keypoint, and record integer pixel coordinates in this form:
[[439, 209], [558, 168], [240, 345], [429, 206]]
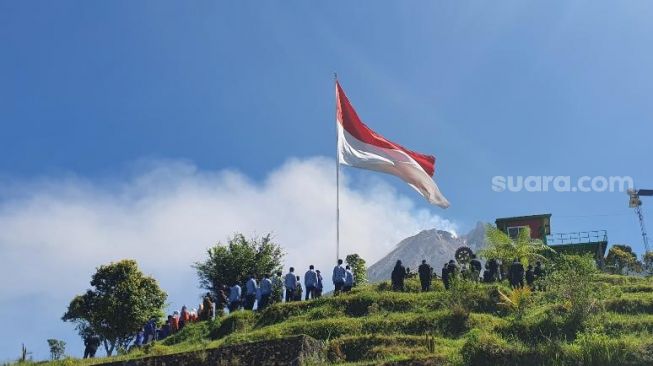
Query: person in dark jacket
[[494, 270], [487, 275], [398, 276], [445, 276], [91, 344], [475, 268], [453, 270], [530, 277], [320, 286], [425, 275], [516, 274]]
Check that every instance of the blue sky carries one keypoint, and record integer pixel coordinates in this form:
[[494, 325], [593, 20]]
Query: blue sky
[[94, 94]]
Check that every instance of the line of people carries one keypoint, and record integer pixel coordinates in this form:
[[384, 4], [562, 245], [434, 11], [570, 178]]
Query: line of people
[[257, 294], [494, 271]]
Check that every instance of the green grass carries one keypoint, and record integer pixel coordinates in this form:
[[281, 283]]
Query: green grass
[[373, 325]]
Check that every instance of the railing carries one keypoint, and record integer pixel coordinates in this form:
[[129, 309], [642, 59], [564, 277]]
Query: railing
[[580, 237]]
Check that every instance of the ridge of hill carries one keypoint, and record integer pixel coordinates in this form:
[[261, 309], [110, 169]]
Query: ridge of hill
[[372, 325]]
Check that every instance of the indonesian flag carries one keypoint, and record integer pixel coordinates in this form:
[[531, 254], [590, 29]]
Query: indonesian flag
[[360, 147]]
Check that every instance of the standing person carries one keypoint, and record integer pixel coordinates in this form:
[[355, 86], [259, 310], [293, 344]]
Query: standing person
[[349, 280], [475, 268], [91, 344], [494, 269], [319, 286], [221, 302], [445, 276], [487, 275], [530, 277], [266, 292], [453, 270], [139, 341], [425, 275], [234, 297], [149, 331], [290, 281], [250, 292], [184, 317], [174, 326], [310, 281], [398, 276], [298, 290], [338, 278], [516, 274]]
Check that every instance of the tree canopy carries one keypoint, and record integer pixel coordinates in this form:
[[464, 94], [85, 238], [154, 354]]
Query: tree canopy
[[121, 301], [622, 260], [232, 262], [358, 268], [501, 246]]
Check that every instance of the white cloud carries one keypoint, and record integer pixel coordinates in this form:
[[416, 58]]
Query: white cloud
[[54, 232]]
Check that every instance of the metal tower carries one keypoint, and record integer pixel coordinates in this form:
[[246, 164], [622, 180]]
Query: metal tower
[[636, 203]]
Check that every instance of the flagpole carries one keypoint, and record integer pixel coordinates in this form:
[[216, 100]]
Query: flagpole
[[335, 78]]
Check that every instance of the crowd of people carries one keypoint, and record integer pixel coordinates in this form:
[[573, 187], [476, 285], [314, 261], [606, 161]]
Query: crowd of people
[[493, 271], [253, 294], [259, 293]]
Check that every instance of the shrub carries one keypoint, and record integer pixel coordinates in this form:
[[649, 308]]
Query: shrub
[[196, 332], [486, 349], [237, 321], [599, 349], [280, 312]]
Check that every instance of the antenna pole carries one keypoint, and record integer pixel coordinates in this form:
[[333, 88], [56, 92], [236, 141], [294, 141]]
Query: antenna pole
[[335, 78]]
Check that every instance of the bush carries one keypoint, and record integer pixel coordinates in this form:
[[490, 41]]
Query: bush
[[486, 349], [600, 350], [194, 332], [281, 312], [235, 322]]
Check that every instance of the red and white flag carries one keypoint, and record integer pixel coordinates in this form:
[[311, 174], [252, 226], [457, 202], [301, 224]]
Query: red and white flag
[[360, 147]]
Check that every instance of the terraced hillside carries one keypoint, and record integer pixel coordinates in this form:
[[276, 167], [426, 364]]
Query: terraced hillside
[[467, 326]]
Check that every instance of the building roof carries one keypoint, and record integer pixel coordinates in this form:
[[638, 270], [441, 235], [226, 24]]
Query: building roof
[[519, 218]]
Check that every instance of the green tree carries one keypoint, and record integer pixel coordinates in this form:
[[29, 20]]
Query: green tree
[[233, 262], [358, 268], [647, 260], [621, 260], [57, 348], [501, 246], [121, 301]]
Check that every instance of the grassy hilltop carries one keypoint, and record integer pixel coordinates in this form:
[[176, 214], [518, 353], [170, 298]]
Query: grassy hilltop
[[467, 326]]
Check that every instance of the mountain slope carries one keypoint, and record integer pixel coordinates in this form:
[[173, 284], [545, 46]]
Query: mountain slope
[[436, 246]]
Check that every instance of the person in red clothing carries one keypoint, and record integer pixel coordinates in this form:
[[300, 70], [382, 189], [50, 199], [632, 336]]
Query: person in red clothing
[[184, 318], [174, 322]]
